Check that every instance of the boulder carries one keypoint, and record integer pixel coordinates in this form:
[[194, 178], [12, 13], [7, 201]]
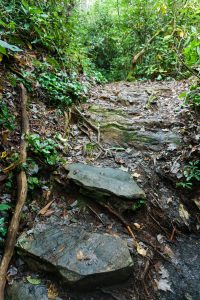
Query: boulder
[[105, 181], [81, 259]]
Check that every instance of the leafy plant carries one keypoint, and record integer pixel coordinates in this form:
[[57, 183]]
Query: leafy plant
[[191, 173], [192, 97], [138, 204], [6, 119], [33, 183], [61, 89], [45, 149], [4, 46], [3, 208]]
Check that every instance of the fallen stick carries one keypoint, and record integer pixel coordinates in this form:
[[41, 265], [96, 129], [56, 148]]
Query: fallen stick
[[122, 220], [21, 196]]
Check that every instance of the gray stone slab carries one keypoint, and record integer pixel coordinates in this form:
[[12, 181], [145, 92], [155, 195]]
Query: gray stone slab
[[107, 181], [82, 259]]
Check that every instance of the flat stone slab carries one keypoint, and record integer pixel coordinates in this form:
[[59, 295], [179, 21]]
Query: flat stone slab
[[106, 181], [82, 259]]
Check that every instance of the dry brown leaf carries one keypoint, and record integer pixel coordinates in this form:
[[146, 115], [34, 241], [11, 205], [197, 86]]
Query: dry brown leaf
[[52, 292], [163, 285], [141, 250], [138, 226], [184, 214], [197, 202], [45, 208], [136, 175], [80, 255], [48, 213], [167, 250]]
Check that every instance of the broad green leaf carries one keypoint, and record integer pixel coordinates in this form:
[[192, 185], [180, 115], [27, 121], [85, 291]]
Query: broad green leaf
[[34, 281], [3, 50], [2, 23], [4, 207], [13, 48]]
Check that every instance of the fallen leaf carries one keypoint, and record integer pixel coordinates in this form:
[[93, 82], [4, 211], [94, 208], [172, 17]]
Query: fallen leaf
[[48, 213], [136, 175], [45, 208], [167, 250], [141, 250], [52, 292], [3, 154], [137, 225], [80, 255], [163, 285], [5, 136], [197, 202], [160, 238], [184, 214], [163, 272]]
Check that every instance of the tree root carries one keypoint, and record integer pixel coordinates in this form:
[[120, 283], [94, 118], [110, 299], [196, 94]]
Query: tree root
[[21, 197], [67, 116], [97, 129]]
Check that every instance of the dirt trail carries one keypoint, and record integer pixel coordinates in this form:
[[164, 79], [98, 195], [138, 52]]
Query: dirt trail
[[142, 131], [144, 127]]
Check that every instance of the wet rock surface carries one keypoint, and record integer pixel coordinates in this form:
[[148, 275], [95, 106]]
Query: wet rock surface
[[27, 291], [105, 181], [132, 118], [80, 258], [184, 270]]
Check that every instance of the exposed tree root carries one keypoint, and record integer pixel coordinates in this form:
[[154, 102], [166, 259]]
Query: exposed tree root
[[21, 196], [67, 115], [97, 129]]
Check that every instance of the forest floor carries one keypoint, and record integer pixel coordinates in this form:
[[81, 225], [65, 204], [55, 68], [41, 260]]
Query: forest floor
[[143, 130]]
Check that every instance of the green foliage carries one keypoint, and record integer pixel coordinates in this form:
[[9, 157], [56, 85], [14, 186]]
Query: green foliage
[[4, 207], [60, 89], [101, 42], [114, 31], [33, 183], [138, 204], [6, 119], [38, 22], [3, 230], [192, 97], [192, 175], [4, 46], [46, 149]]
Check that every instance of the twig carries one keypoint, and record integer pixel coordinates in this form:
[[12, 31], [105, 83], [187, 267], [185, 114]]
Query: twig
[[173, 233], [121, 219], [21, 197], [95, 213], [161, 227]]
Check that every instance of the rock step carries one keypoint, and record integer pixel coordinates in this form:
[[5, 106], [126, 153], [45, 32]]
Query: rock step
[[81, 259], [106, 181]]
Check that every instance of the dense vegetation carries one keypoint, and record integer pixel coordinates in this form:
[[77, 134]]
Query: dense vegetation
[[107, 36]]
